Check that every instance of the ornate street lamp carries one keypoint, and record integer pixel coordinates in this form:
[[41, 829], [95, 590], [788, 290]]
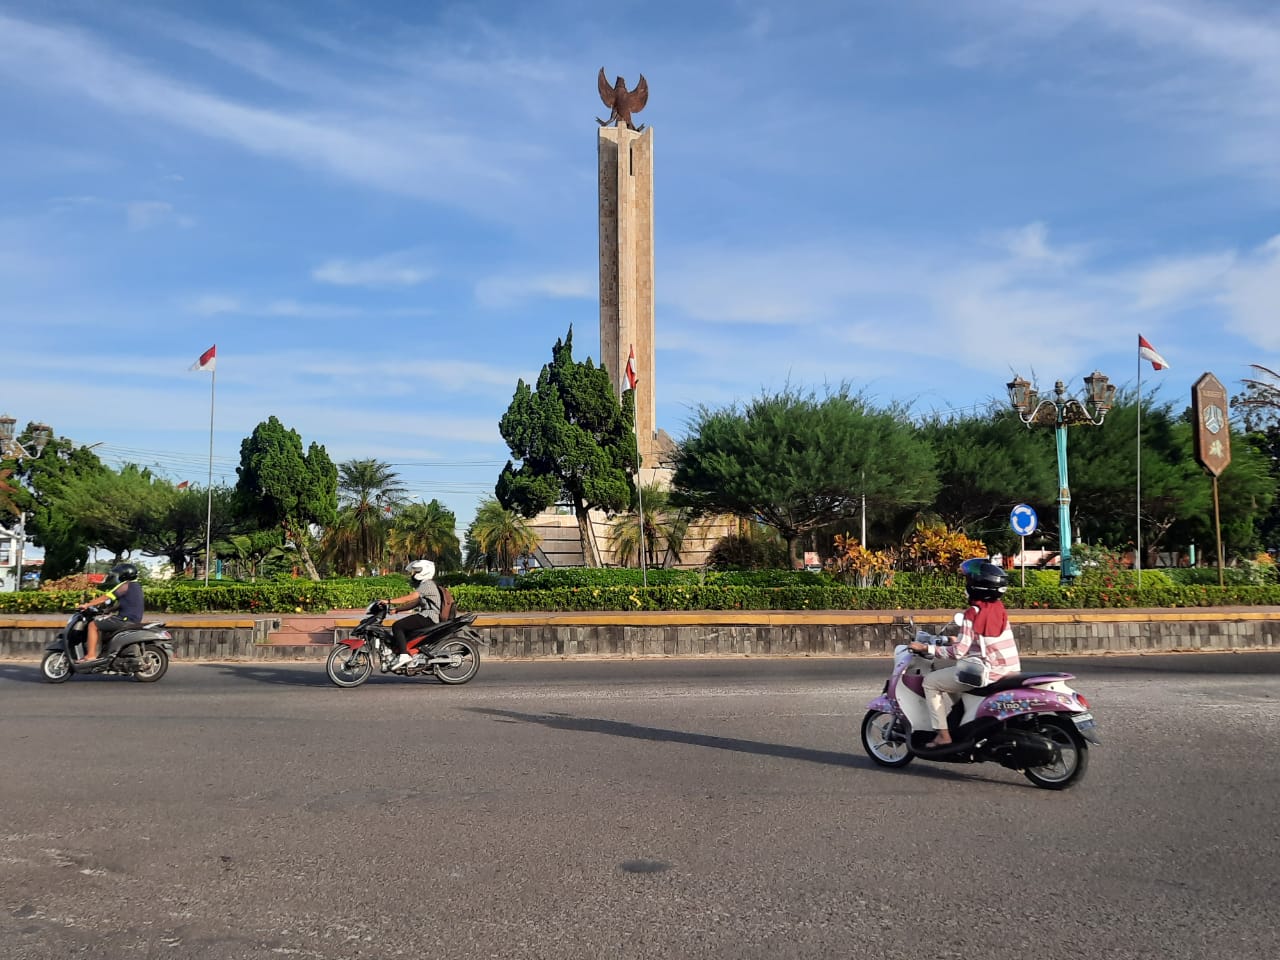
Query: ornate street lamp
[[1060, 412], [11, 449]]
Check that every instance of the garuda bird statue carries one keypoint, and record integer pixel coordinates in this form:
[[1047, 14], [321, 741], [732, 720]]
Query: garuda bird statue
[[622, 103]]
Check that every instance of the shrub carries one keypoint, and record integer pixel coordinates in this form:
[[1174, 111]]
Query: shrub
[[756, 550], [855, 565]]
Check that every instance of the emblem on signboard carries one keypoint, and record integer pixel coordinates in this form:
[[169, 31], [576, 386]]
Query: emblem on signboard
[[1213, 418]]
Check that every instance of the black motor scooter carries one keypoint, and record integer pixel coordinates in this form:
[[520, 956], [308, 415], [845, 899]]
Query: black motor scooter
[[141, 651]]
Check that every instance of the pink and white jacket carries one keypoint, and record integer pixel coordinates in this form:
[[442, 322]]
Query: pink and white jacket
[[989, 620]]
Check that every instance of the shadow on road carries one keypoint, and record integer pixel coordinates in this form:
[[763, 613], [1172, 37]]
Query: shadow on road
[[615, 728], [21, 672], [309, 676], [1206, 664]]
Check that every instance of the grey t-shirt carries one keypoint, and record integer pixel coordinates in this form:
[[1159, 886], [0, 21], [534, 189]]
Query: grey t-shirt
[[428, 600]]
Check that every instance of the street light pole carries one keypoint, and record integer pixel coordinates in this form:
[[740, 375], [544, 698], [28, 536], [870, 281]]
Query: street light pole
[[1060, 412]]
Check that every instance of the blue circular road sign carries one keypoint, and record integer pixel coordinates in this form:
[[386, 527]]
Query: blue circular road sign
[[1023, 520]]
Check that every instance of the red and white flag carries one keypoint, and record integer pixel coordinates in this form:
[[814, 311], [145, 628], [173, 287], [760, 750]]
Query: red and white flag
[[184, 484], [632, 379], [207, 359], [1148, 352]]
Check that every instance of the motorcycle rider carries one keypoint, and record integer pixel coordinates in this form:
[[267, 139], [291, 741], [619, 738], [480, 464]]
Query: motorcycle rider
[[425, 601], [986, 618], [127, 595]]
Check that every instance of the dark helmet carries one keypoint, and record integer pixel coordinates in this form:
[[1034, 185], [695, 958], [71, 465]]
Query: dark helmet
[[123, 572], [983, 580]]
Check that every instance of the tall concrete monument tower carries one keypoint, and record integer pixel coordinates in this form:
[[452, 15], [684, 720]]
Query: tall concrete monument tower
[[625, 156]]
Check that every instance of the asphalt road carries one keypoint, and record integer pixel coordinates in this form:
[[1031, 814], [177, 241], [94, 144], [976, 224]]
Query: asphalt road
[[652, 809]]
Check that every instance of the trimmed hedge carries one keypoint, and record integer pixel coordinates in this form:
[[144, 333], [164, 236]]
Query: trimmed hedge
[[824, 595], [249, 598]]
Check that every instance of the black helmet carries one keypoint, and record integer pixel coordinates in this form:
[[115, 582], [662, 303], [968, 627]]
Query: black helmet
[[983, 580], [123, 572]]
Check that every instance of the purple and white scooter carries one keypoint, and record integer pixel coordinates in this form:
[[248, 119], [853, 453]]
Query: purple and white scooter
[[1030, 722]]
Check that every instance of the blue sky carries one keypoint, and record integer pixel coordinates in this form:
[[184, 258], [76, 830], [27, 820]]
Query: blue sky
[[384, 214]]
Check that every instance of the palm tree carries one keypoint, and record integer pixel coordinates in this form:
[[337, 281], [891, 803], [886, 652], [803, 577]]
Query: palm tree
[[664, 528], [425, 531], [368, 492], [499, 537]]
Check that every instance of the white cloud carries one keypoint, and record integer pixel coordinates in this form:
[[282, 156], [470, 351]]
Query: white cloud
[[1031, 244], [145, 214], [389, 270], [508, 289], [210, 305], [1253, 294], [1182, 281], [390, 147], [1208, 70]]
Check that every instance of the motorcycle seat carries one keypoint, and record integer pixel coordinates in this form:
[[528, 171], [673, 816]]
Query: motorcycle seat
[[1015, 680]]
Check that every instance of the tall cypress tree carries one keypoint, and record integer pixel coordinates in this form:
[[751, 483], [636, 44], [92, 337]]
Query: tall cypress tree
[[280, 485], [573, 441]]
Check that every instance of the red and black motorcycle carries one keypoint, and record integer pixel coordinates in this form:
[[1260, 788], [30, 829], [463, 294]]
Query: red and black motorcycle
[[449, 650]]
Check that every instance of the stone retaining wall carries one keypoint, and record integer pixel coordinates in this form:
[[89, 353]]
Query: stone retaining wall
[[734, 633], [1039, 636], [196, 640]]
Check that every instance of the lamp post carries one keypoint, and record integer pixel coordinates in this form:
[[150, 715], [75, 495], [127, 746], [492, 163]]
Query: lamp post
[[1060, 412], [12, 449]]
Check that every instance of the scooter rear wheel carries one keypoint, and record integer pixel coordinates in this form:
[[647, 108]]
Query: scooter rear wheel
[[464, 665], [56, 666], [881, 743], [154, 663], [1073, 760]]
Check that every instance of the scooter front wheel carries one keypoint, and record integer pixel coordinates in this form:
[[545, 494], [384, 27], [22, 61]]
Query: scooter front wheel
[[56, 666], [347, 667], [883, 744]]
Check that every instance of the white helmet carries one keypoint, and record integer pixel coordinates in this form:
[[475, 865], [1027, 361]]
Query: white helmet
[[421, 570]]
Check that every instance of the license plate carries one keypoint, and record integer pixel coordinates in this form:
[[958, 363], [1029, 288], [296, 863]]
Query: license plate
[[1084, 721]]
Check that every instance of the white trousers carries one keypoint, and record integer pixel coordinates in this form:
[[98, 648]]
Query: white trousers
[[941, 691]]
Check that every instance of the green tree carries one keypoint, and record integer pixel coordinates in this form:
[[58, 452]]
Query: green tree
[[368, 493], [426, 531], [174, 527], [498, 537], [254, 549], [1259, 410], [1246, 494], [665, 527], [987, 463], [281, 486], [40, 482], [111, 506], [1103, 474], [798, 462], [573, 440]]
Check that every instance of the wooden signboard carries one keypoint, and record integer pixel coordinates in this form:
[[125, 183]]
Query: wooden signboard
[[1213, 441], [1213, 432]]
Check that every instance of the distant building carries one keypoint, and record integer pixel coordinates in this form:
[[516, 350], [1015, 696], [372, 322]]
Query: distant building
[[8, 560]]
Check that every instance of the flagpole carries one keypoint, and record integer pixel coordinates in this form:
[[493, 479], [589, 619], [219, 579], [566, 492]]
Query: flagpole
[[1137, 550], [208, 518], [635, 430]]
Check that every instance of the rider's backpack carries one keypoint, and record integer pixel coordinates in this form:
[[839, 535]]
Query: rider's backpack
[[447, 606]]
